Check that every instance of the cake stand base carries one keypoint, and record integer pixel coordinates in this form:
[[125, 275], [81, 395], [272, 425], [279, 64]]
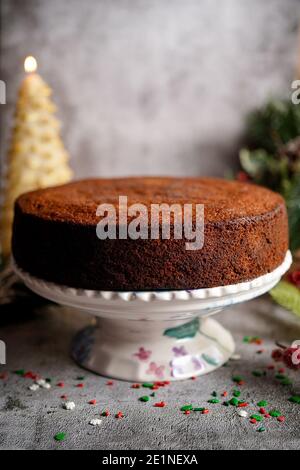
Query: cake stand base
[[144, 351]]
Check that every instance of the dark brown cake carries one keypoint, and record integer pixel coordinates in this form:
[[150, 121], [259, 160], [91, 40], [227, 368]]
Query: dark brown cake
[[54, 235]]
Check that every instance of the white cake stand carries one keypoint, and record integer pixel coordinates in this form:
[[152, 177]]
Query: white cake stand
[[156, 335]]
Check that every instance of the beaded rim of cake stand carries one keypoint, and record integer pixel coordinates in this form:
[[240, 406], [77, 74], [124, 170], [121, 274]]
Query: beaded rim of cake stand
[[147, 296]]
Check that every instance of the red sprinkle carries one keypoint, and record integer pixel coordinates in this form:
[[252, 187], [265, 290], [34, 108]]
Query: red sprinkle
[[193, 377], [187, 412], [106, 413], [64, 397], [241, 382], [167, 382], [160, 384], [205, 412], [135, 386], [4, 375], [281, 370], [119, 415], [281, 419], [109, 382], [258, 341], [160, 404], [271, 367], [60, 384], [242, 405], [30, 375], [80, 385], [154, 387], [262, 411], [224, 394], [267, 415], [93, 402], [253, 421]]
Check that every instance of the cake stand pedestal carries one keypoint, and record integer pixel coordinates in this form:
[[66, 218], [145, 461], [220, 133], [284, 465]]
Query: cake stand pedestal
[[155, 335]]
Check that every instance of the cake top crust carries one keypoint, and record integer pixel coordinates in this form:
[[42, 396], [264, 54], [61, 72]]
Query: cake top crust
[[77, 202]]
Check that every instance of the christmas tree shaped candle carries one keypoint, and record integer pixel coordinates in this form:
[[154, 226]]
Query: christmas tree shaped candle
[[36, 156]]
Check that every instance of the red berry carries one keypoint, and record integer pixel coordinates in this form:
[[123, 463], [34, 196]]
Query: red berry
[[277, 355], [291, 358]]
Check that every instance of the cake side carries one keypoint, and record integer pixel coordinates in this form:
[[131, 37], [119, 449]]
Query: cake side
[[251, 242]]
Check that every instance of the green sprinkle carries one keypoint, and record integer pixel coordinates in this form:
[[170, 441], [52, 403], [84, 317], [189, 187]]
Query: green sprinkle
[[286, 381], [236, 393], [198, 409], [234, 401], [214, 394], [20, 372], [144, 398], [60, 436], [237, 378], [225, 403], [275, 413], [80, 377], [48, 380], [295, 399], [262, 403], [257, 417], [257, 373], [280, 376], [147, 384], [261, 429], [247, 339], [186, 408], [213, 400], [152, 394]]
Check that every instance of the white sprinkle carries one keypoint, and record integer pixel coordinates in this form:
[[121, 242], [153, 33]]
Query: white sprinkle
[[95, 422], [69, 405], [46, 385], [242, 413], [41, 382], [34, 387], [235, 357]]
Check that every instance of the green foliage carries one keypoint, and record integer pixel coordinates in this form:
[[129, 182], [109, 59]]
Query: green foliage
[[287, 295], [273, 159]]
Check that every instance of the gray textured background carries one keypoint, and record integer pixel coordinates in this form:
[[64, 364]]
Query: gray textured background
[[155, 86]]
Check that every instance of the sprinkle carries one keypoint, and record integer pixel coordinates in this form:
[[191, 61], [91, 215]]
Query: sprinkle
[[105, 413], [80, 377], [187, 412], [262, 403], [225, 403], [237, 378], [280, 376], [242, 404], [41, 382], [205, 412], [109, 382], [247, 339], [241, 382], [224, 394], [253, 421], [30, 375], [234, 401], [281, 370], [148, 385], [119, 415], [186, 407], [160, 404], [257, 373], [60, 436], [80, 385], [60, 384], [193, 377], [295, 399], [93, 402], [153, 394], [198, 409], [34, 387], [4, 375], [236, 393], [213, 400], [214, 394], [154, 387], [267, 415], [135, 386], [48, 380], [20, 372], [46, 386], [271, 367], [281, 419], [167, 382], [257, 417], [144, 398], [262, 411], [95, 422], [242, 413], [63, 397], [274, 413], [261, 429], [69, 405]]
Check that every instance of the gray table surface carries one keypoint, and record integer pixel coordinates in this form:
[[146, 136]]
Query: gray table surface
[[29, 420]]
